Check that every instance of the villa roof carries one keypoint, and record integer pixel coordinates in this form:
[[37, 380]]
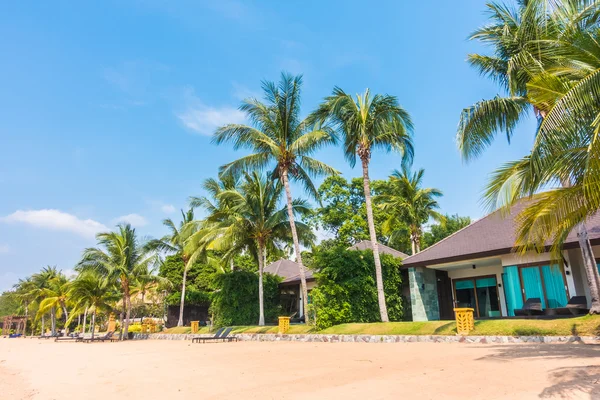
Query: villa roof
[[288, 270], [492, 235], [367, 245]]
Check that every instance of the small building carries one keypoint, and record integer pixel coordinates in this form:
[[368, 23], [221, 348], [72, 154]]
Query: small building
[[289, 271], [477, 267]]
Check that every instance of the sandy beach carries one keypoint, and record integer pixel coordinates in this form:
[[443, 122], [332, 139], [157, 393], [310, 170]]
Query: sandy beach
[[45, 370]]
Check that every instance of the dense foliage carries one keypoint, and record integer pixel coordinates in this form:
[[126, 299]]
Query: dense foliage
[[235, 299], [437, 232], [198, 282], [346, 290]]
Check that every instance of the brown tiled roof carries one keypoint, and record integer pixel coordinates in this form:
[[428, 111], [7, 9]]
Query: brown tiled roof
[[288, 270], [493, 234], [366, 245]]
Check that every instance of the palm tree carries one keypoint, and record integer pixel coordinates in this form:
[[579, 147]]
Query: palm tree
[[406, 201], [41, 282], [55, 299], [279, 137], [253, 223], [174, 242], [24, 291], [544, 58], [366, 124], [121, 259], [92, 293]]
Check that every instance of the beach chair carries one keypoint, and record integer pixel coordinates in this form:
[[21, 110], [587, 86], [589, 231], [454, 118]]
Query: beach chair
[[532, 306], [52, 335], [68, 338], [223, 338], [577, 305], [102, 338]]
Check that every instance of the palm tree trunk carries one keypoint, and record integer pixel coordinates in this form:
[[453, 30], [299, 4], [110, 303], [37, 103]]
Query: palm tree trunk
[[261, 305], [591, 269], [53, 320], [290, 209], [66, 318], [93, 324], [378, 275], [127, 314], [43, 324], [182, 301], [231, 264], [84, 320]]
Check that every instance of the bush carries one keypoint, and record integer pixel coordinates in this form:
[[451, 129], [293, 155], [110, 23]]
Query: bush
[[235, 300], [346, 290]]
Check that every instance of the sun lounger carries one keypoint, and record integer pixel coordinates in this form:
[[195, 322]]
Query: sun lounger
[[577, 305], [67, 338], [532, 306], [224, 337], [52, 335], [102, 338]]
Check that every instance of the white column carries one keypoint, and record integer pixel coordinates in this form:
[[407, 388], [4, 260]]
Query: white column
[[569, 276]]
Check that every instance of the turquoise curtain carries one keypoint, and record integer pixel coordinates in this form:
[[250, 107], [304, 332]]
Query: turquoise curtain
[[532, 283], [512, 289], [555, 286], [466, 284], [486, 282]]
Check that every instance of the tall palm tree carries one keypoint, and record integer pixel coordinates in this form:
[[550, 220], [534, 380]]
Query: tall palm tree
[[253, 223], [55, 299], [41, 281], [368, 123], [174, 242], [535, 64], [406, 201], [279, 138], [121, 258], [92, 293]]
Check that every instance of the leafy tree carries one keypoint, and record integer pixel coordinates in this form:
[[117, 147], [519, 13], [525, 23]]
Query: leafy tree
[[279, 138], [232, 298], [198, 282], [121, 258], [55, 299], [347, 290], [366, 124], [41, 282], [437, 232], [9, 303], [406, 201]]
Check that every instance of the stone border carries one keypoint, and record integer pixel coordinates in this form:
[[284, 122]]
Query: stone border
[[321, 338]]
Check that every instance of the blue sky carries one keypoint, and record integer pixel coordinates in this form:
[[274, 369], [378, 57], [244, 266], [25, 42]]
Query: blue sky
[[106, 108]]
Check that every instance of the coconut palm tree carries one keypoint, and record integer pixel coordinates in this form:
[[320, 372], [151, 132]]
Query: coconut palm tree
[[121, 258], [279, 138], [92, 293], [174, 242], [406, 201], [254, 223], [55, 299], [368, 123], [540, 52], [41, 281]]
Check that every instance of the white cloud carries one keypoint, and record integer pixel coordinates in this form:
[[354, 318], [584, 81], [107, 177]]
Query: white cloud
[[4, 248], [135, 220], [56, 220], [168, 208], [205, 119], [242, 92]]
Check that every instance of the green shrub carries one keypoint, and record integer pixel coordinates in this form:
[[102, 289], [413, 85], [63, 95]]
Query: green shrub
[[134, 328], [235, 300], [346, 290]]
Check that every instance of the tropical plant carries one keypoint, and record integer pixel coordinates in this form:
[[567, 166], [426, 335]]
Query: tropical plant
[[439, 231], [92, 293], [366, 124], [254, 223], [55, 299], [41, 281], [121, 258], [279, 138], [546, 60], [407, 201], [175, 242]]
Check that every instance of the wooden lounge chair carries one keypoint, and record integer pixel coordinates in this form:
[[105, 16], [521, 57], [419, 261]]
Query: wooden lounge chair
[[532, 306], [216, 335], [68, 338], [103, 338], [52, 335], [224, 337], [577, 305]]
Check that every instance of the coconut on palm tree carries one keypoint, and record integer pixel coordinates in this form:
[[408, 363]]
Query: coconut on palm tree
[[405, 200], [279, 138], [254, 223], [121, 258], [369, 123]]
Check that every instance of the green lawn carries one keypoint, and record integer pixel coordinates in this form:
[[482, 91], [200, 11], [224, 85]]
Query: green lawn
[[583, 326]]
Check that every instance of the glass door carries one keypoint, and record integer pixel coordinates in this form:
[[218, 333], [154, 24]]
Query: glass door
[[532, 284], [479, 293]]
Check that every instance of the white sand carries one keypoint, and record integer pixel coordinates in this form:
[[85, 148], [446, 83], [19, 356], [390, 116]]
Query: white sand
[[45, 370]]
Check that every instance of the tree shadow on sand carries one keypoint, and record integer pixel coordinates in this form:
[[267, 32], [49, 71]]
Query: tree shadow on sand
[[511, 352], [571, 380]]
